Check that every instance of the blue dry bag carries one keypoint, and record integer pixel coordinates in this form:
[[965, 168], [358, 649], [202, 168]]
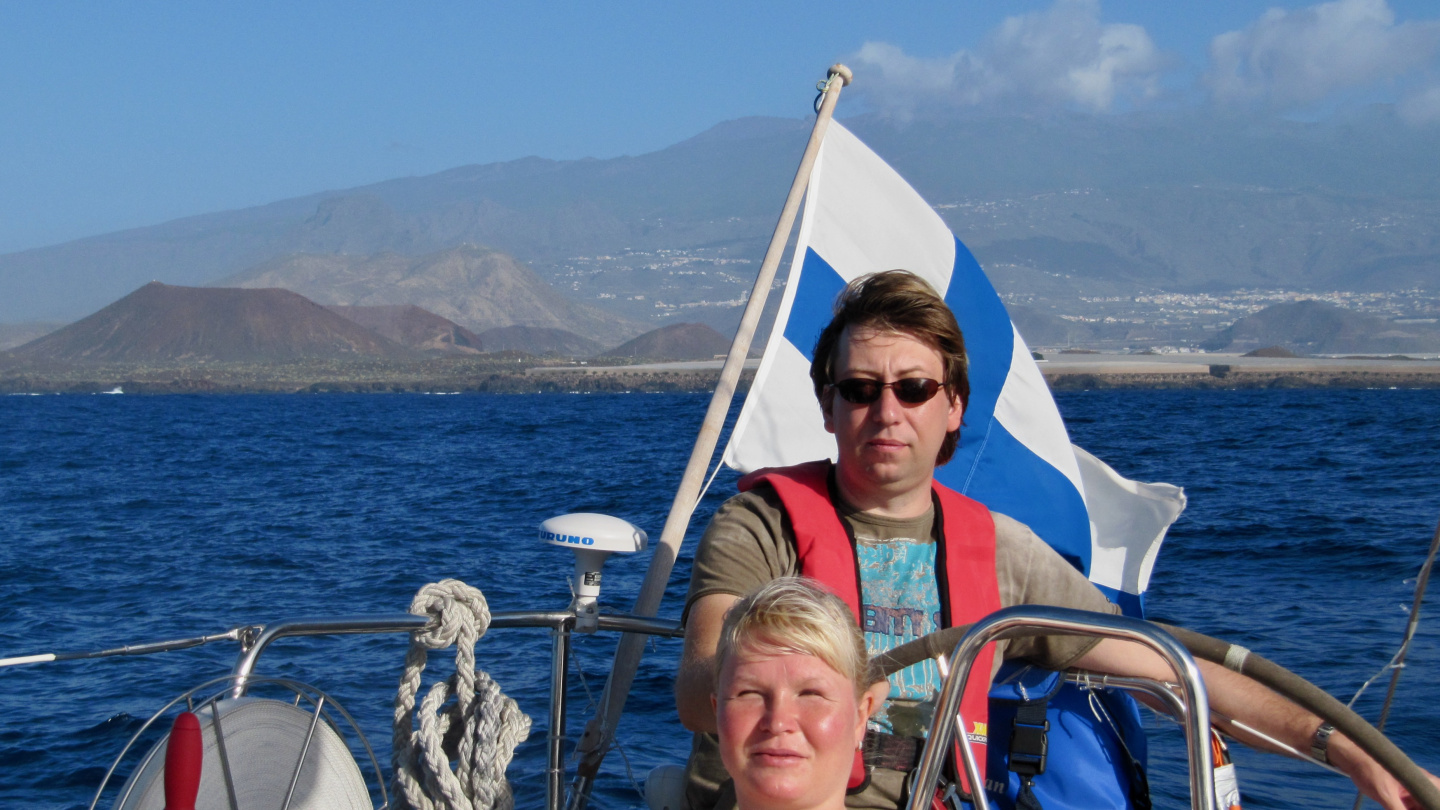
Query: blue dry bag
[[1057, 746]]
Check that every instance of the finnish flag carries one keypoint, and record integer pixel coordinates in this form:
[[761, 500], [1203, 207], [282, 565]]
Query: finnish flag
[[1014, 454]]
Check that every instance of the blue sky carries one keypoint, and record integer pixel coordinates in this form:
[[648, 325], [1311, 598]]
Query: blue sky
[[120, 115]]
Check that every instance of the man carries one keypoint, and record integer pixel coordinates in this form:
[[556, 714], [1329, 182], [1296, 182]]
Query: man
[[890, 373]]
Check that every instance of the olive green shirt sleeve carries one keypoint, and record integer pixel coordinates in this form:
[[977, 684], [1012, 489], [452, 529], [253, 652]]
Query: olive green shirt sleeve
[[748, 543], [1029, 572]]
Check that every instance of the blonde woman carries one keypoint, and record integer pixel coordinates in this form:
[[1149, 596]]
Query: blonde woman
[[792, 697]]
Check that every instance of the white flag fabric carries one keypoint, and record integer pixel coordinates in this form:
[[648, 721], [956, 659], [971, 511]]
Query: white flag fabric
[[1014, 454]]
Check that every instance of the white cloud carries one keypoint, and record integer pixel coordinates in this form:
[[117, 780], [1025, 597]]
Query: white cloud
[[1291, 58], [1062, 56]]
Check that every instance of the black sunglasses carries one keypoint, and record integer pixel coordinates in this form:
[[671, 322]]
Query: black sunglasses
[[911, 390]]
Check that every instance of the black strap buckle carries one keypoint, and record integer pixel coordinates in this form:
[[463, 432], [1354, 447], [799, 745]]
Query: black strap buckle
[[1029, 740]]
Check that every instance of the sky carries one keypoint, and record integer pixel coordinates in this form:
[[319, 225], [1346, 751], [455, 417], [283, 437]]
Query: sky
[[115, 115]]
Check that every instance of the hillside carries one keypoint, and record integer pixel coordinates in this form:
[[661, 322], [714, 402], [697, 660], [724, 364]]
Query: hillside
[[164, 323], [414, 328], [473, 286], [678, 341], [1316, 327], [1062, 207], [18, 334], [1041, 329], [539, 341]]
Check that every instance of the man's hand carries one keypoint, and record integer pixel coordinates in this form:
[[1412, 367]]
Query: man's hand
[[696, 680], [1237, 697], [1372, 780]]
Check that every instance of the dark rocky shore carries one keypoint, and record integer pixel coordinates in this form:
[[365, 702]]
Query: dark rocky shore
[[1244, 379], [1080, 372], [494, 374], [520, 374]]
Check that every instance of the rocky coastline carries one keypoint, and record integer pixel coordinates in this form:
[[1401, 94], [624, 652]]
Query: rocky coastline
[[520, 374], [1230, 371]]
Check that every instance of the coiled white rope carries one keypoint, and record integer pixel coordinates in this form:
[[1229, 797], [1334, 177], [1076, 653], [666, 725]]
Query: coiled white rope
[[478, 731]]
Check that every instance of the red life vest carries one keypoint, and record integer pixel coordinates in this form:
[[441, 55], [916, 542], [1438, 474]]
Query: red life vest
[[964, 565]]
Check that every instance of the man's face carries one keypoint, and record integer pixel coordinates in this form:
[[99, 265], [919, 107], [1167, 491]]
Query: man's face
[[887, 447]]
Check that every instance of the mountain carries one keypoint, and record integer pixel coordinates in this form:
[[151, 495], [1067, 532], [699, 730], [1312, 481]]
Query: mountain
[[1067, 206], [538, 340], [720, 190], [18, 334], [1317, 327], [1043, 329], [475, 287], [413, 327], [678, 341], [163, 323]]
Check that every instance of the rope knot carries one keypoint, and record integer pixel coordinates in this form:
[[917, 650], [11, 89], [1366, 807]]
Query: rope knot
[[478, 730], [456, 611]]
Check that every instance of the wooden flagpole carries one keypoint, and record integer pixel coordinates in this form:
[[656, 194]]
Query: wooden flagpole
[[601, 729]]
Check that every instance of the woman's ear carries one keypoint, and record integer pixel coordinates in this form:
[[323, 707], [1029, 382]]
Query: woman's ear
[[714, 703], [871, 699], [868, 703], [874, 696]]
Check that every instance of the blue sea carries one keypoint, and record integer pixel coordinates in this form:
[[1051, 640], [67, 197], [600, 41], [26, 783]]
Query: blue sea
[[130, 519]]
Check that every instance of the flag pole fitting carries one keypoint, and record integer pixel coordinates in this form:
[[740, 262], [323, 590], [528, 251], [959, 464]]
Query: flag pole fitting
[[837, 72]]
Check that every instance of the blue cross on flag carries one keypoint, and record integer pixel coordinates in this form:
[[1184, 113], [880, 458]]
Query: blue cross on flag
[[1014, 454]]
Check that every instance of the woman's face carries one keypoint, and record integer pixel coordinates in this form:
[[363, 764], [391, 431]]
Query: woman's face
[[789, 725]]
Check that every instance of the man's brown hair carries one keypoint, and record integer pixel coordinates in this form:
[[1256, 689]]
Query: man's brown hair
[[897, 301]]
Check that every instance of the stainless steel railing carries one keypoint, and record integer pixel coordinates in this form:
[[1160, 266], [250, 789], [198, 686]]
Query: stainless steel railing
[[561, 623], [1192, 699]]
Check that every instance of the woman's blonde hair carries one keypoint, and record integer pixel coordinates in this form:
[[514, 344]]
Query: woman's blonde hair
[[797, 615]]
